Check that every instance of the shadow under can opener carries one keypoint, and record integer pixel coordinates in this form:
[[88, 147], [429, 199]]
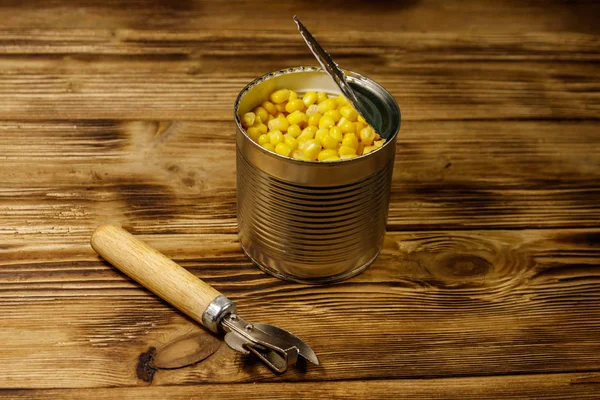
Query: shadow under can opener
[[274, 346]]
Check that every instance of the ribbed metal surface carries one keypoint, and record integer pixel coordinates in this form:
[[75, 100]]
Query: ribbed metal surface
[[308, 221], [306, 234]]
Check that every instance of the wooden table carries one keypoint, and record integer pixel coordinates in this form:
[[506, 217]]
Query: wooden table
[[121, 112]]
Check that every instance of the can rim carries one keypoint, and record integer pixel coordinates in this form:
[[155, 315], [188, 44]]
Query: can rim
[[351, 74]]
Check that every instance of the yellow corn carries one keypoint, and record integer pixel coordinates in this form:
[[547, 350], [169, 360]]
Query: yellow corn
[[261, 112], [314, 119], [329, 142], [342, 100], [248, 119], [298, 155], [367, 136], [325, 154], [379, 143], [336, 133], [329, 104], [279, 123], [275, 137], [335, 114], [321, 133], [312, 149], [283, 149], [262, 139], [348, 127], [270, 107], [368, 149], [349, 113], [280, 96], [346, 150], [326, 121], [297, 118], [294, 105], [269, 146], [310, 127], [309, 98], [321, 96], [350, 140], [254, 133], [290, 141], [294, 130]]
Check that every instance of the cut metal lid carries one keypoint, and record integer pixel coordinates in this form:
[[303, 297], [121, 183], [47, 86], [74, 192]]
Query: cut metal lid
[[366, 110]]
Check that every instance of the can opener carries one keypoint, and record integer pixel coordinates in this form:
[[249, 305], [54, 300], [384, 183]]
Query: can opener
[[274, 346]]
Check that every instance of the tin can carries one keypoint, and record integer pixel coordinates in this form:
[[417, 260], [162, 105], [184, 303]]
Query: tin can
[[313, 222]]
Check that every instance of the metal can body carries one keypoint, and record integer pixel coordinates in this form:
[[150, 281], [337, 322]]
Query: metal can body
[[313, 222]]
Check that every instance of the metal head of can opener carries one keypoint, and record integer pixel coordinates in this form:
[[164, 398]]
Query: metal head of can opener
[[274, 346]]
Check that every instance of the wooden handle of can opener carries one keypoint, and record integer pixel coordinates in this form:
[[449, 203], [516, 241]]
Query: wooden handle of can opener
[[153, 270]]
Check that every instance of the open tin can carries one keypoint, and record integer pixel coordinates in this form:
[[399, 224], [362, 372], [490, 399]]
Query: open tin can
[[308, 221]]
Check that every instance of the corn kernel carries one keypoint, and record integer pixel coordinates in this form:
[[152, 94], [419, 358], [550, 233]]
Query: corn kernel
[[270, 117], [360, 126], [309, 98], [280, 108], [329, 104], [321, 134], [336, 133], [278, 123], [342, 121], [275, 137], [293, 95], [290, 141], [262, 139], [377, 137], [294, 105], [248, 119], [335, 114], [313, 129], [368, 149], [348, 156], [269, 146], [348, 127], [254, 133], [360, 148], [312, 149], [329, 142], [314, 119], [298, 155], [304, 136], [321, 96], [261, 112], [378, 143], [342, 100], [331, 158], [297, 117], [349, 113], [280, 96], [262, 128], [270, 107], [367, 136], [345, 150], [326, 121], [283, 149], [324, 154], [361, 119], [312, 109], [350, 140], [294, 130]]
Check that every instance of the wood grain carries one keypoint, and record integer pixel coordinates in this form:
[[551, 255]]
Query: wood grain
[[554, 386], [120, 112], [434, 304]]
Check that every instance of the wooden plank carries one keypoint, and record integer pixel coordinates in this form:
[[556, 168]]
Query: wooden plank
[[62, 177], [434, 304], [554, 386], [423, 15], [95, 74]]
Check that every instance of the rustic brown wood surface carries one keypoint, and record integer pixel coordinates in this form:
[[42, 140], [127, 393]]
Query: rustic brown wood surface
[[121, 112]]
